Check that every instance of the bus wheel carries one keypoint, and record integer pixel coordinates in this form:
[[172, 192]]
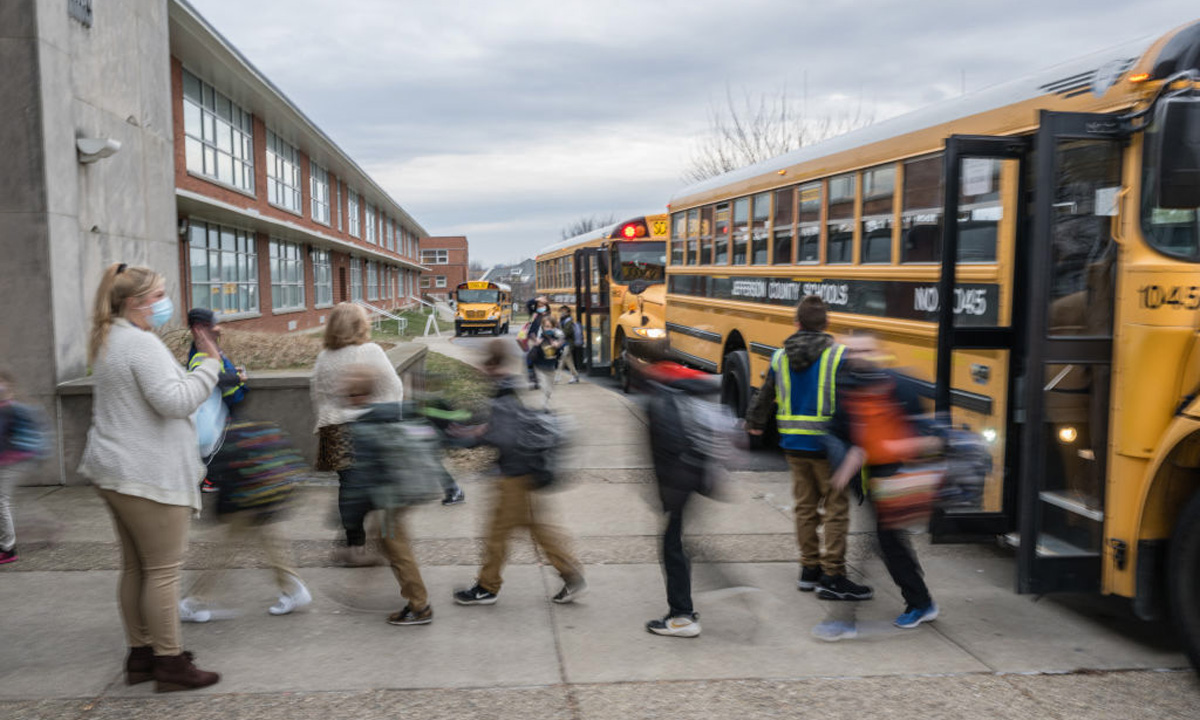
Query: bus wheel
[[1184, 579], [457, 330], [735, 382]]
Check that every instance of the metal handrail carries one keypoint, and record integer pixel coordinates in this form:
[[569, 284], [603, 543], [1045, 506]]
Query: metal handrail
[[379, 312]]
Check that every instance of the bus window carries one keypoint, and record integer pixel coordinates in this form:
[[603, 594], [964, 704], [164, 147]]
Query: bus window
[[921, 217], [741, 230], [878, 189], [692, 254], [478, 296], [721, 234], [1171, 231], [785, 201], [706, 238], [809, 217], [758, 228], [638, 261], [979, 209], [678, 237], [839, 239]]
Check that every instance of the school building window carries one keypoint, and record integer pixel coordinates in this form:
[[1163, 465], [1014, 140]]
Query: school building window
[[338, 188], [426, 281], [435, 257], [352, 211], [356, 279], [224, 268], [372, 228], [218, 135], [287, 276], [372, 281], [439, 281], [318, 189], [322, 278], [283, 173]]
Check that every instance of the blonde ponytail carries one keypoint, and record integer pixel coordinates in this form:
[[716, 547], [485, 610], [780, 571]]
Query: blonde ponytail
[[119, 283]]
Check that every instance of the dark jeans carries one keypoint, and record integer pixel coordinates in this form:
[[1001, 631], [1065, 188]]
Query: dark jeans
[[677, 567], [902, 565], [354, 502]]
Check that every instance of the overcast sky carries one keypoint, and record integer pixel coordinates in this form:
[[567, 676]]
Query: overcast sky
[[506, 121]]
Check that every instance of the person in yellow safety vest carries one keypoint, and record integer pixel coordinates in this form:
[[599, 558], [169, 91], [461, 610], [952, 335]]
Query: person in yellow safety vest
[[801, 389], [232, 380]]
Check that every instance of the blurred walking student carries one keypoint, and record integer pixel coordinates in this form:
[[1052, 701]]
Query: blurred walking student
[[232, 381], [546, 355], [516, 503], [799, 387], [22, 443], [573, 340], [347, 343], [376, 481], [684, 456], [877, 426], [143, 457], [530, 336], [255, 471]]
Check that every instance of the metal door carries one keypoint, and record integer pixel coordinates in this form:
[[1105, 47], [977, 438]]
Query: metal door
[[592, 309], [1073, 260]]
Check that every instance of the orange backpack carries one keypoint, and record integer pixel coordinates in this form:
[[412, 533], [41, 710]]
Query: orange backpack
[[878, 424]]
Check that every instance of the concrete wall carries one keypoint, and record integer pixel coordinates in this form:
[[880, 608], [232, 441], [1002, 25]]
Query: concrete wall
[[281, 397], [62, 222]]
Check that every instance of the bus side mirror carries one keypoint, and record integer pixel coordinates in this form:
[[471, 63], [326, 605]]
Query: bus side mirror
[[1178, 153]]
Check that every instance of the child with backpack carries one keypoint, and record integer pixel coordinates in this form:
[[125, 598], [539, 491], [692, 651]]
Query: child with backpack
[[686, 445], [573, 339], [524, 466], [545, 357], [22, 443]]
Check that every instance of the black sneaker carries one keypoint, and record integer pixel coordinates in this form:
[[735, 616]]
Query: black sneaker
[[408, 616], [840, 587], [454, 496], [474, 596], [809, 577], [571, 589]]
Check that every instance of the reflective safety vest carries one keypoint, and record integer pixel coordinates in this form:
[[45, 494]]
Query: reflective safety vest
[[805, 400]]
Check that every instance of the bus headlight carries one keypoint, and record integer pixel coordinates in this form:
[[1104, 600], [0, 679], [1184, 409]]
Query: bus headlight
[[650, 333], [989, 435], [1067, 435]]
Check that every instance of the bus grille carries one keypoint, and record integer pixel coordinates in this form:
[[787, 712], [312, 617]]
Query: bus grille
[[476, 314]]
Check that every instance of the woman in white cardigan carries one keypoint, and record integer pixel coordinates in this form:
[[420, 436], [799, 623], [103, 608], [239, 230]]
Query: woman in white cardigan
[[143, 457], [347, 343]]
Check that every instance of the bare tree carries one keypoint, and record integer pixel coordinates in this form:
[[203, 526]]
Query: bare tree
[[762, 127], [587, 224]]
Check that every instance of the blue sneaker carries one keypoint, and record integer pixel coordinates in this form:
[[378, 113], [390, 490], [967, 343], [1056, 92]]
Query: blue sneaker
[[834, 630], [913, 617]]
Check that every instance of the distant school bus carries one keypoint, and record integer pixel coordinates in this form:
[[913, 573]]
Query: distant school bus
[[1030, 254], [613, 279], [482, 305]]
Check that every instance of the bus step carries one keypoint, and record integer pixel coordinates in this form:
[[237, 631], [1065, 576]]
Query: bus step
[[1051, 547], [1072, 503]]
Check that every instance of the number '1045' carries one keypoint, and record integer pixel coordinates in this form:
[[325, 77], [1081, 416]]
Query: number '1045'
[[1155, 297]]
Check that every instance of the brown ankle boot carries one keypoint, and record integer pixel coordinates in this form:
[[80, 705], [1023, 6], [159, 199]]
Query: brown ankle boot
[[139, 666], [176, 672]]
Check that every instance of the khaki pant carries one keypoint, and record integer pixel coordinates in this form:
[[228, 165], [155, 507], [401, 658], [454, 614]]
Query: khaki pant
[[153, 537], [241, 528], [810, 486], [517, 506], [398, 549]]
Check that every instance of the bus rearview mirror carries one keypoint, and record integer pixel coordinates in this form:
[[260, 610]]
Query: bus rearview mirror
[[1179, 153]]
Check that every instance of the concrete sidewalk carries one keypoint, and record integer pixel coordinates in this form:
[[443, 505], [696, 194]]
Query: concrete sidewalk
[[992, 653]]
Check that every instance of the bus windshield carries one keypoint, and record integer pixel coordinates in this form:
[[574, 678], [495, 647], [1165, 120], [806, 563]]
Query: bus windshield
[[646, 261], [479, 296]]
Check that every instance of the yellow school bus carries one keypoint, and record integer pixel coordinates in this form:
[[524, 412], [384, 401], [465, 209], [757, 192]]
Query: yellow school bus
[[1030, 254], [612, 279], [482, 305]]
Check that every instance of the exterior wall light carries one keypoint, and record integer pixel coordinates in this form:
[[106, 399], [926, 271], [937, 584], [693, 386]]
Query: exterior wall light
[[93, 149]]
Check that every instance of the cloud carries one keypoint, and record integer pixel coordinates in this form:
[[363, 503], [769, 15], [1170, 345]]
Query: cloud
[[507, 121]]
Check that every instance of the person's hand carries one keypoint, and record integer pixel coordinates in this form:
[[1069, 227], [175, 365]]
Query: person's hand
[[205, 341], [241, 373], [754, 431]]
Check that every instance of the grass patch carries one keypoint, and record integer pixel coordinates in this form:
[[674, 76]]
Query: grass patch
[[461, 385], [256, 350]]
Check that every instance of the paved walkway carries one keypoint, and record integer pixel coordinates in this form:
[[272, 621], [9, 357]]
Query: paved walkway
[[992, 654]]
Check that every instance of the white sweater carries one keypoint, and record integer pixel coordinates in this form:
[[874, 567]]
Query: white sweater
[[142, 441], [330, 370]]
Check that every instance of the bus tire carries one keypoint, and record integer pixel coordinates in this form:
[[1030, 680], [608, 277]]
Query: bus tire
[[1183, 579], [735, 382], [457, 330]]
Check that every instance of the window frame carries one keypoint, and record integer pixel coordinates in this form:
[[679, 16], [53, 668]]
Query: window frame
[[286, 258], [353, 213], [322, 264], [282, 160], [318, 192], [209, 108], [244, 260]]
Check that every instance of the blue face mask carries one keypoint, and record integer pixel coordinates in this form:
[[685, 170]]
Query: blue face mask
[[161, 312]]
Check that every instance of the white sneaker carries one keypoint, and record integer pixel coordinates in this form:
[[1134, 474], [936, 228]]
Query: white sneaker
[[192, 610], [675, 626], [297, 598]]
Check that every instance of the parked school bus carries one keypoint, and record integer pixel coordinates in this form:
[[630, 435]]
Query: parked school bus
[[482, 305], [612, 279], [1030, 254]]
